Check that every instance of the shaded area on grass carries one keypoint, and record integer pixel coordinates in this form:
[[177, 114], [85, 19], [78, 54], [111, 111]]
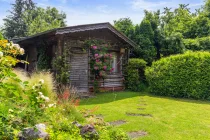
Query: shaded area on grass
[[103, 98]]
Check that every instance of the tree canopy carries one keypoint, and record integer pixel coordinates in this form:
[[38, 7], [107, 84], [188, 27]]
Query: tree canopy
[[168, 32], [27, 19], [14, 25], [40, 19]]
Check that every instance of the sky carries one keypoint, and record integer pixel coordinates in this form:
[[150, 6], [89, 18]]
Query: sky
[[95, 11]]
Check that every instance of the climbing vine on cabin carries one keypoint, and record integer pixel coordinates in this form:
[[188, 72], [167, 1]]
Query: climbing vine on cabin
[[61, 66], [100, 61]]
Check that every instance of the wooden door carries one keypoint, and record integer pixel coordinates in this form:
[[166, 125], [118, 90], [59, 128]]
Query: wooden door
[[79, 72]]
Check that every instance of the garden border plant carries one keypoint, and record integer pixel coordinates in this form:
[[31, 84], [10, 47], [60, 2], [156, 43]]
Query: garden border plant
[[183, 75], [135, 78]]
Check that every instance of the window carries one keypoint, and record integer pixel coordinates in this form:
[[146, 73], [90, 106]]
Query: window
[[114, 62]]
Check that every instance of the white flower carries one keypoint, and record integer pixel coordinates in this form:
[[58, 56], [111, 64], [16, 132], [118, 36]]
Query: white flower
[[10, 110], [1, 54], [41, 81], [52, 105], [47, 99], [40, 93], [16, 46], [37, 98], [42, 96], [35, 86], [22, 51], [9, 45]]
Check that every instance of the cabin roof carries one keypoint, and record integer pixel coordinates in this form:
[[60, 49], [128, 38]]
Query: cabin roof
[[81, 28]]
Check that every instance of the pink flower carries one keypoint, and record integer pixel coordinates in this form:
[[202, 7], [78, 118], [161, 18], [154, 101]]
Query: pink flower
[[96, 68], [111, 69], [96, 55], [97, 60], [105, 67], [110, 55], [105, 55], [94, 47]]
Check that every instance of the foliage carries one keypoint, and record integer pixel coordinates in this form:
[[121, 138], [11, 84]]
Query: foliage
[[43, 62], [176, 21], [48, 87], [145, 39], [164, 36], [23, 99], [135, 74], [172, 44], [197, 44], [1, 36], [40, 20], [125, 25], [14, 25], [61, 67], [100, 61], [26, 101], [199, 27], [60, 119], [184, 75], [27, 19]]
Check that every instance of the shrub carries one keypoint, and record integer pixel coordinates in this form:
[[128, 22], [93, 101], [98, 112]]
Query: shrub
[[48, 85], [197, 44], [135, 74], [184, 75]]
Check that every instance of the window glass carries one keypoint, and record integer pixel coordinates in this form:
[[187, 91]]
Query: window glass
[[114, 61]]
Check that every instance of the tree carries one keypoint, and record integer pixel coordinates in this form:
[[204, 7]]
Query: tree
[[206, 8], [125, 25], [145, 39], [154, 18], [14, 25], [39, 20], [1, 36], [172, 44]]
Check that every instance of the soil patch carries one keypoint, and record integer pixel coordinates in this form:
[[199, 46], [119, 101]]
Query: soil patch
[[116, 123], [138, 114], [137, 134]]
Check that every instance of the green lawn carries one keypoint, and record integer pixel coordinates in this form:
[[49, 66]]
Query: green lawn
[[172, 118]]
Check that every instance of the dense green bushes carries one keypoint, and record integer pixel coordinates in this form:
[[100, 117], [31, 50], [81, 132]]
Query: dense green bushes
[[197, 44], [184, 75], [135, 74]]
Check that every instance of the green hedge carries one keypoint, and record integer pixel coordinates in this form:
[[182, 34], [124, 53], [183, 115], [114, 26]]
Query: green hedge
[[135, 74], [184, 75], [197, 44]]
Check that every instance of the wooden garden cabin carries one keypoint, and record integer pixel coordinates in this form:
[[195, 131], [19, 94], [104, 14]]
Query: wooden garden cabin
[[73, 37]]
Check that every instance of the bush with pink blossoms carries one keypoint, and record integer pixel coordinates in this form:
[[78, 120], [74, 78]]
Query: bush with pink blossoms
[[100, 61]]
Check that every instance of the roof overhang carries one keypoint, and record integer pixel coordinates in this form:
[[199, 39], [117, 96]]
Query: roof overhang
[[81, 28]]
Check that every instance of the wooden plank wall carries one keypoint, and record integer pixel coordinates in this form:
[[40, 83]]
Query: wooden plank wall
[[78, 61], [80, 74]]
